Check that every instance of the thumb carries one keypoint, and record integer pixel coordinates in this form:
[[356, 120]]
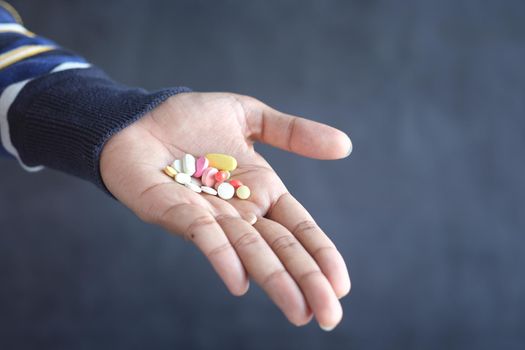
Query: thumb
[[294, 134]]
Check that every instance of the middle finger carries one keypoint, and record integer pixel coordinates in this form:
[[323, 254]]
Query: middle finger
[[266, 269], [304, 269]]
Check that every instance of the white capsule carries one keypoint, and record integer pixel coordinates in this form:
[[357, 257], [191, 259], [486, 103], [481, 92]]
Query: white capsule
[[183, 178], [225, 190], [209, 190], [188, 164], [193, 187], [177, 165]]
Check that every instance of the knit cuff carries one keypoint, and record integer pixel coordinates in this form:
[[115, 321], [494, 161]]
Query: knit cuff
[[63, 120]]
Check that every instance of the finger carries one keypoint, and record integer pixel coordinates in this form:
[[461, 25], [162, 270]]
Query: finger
[[199, 226], [266, 269], [305, 271], [292, 215], [298, 135]]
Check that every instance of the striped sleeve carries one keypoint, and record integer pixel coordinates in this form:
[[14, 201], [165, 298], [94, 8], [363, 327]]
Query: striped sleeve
[[56, 109]]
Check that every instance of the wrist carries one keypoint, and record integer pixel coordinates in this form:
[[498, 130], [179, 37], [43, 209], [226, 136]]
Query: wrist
[[63, 120]]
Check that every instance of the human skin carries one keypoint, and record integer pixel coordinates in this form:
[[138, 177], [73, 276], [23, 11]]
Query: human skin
[[269, 237]]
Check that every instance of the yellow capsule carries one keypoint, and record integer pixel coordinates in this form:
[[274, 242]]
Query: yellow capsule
[[168, 170], [243, 192], [222, 161]]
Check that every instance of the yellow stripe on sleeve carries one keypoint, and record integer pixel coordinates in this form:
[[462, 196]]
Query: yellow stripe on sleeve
[[22, 52], [11, 10]]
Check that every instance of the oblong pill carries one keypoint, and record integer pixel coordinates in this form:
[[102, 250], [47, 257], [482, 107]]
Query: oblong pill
[[193, 187], [222, 161], [168, 170], [225, 191], [177, 165], [183, 178], [200, 165], [209, 190], [208, 176], [243, 192], [188, 164]]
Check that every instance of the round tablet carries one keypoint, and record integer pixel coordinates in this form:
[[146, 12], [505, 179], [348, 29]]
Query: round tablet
[[222, 176], [243, 192], [208, 176], [225, 190]]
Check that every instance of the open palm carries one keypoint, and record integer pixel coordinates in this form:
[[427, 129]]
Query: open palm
[[270, 237]]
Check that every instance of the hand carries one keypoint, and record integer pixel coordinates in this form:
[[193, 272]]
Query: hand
[[269, 237]]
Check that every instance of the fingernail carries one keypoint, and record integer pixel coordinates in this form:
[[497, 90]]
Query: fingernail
[[350, 146], [326, 328]]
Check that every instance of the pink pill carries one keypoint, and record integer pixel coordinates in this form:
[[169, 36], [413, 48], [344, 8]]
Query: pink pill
[[201, 165], [208, 176]]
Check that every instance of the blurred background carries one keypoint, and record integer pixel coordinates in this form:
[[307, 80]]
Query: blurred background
[[429, 211]]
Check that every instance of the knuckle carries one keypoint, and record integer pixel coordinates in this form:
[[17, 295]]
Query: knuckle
[[325, 249], [247, 239], [305, 227], [280, 273], [224, 217], [283, 243], [218, 250], [308, 275]]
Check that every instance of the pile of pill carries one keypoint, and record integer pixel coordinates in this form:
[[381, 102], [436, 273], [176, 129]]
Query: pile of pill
[[209, 174]]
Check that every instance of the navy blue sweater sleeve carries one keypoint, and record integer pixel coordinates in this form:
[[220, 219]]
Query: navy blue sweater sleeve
[[57, 110]]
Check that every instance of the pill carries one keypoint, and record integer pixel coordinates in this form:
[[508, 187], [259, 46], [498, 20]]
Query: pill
[[193, 187], [188, 164], [200, 165], [222, 161], [221, 176], [183, 178], [209, 190], [236, 183], [225, 190], [168, 170], [208, 176], [217, 184], [243, 192], [177, 165], [196, 181]]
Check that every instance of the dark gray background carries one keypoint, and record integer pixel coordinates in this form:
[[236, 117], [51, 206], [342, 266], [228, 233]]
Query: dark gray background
[[428, 211]]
